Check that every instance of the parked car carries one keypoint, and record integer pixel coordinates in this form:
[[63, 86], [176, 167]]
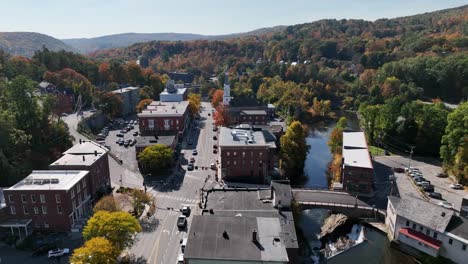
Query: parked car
[[428, 188], [185, 209], [419, 179], [215, 138], [181, 221], [194, 152], [190, 167], [215, 129], [120, 135], [215, 146], [213, 166], [456, 186], [435, 195], [209, 114], [180, 258], [133, 142], [192, 160], [442, 175], [423, 183], [42, 250], [398, 170], [183, 244], [117, 141], [135, 133], [121, 142], [58, 252], [411, 169], [415, 174], [446, 204], [215, 151], [126, 143]]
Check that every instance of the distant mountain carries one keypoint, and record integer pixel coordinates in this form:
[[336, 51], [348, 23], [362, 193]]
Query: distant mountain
[[26, 43], [88, 45]]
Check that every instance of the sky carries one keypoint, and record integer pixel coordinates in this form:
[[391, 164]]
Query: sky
[[92, 18]]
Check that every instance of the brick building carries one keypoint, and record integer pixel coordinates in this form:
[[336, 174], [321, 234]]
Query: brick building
[[357, 170], [164, 118], [245, 156], [254, 115], [130, 99], [48, 199], [89, 156]]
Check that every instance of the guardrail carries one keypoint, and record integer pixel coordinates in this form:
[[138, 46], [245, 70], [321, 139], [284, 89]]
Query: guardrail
[[353, 206]]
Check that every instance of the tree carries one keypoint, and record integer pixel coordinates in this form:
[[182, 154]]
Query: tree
[[221, 116], [194, 103], [294, 150], [110, 104], [454, 141], [217, 98], [97, 250], [117, 227], [139, 199], [106, 203], [142, 104], [335, 142], [155, 158]]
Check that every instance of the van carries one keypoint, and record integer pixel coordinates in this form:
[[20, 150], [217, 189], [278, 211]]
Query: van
[[183, 245]]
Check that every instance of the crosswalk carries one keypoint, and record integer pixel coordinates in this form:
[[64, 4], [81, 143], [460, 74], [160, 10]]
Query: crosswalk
[[182, 199], [192, 177]]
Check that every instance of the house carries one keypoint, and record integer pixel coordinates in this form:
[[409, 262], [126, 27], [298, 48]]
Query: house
[[241, 239], [173, 92], [164, 118], [256, 208], [130, 99], [143, 142], [48, 199], [245, 156], [357, 174], [427, 227], [89, 156]]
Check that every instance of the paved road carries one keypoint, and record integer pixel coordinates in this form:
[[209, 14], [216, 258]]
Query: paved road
[[161, 245], [326, 197], [72, 121]]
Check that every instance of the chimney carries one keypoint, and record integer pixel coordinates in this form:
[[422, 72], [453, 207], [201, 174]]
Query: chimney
[[80, 140], [83, 158], [254, 236], [95, 152]]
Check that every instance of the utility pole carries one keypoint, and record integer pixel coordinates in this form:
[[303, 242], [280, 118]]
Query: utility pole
[[410, 156]]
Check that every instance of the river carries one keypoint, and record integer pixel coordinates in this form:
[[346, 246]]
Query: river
[[377, 248]]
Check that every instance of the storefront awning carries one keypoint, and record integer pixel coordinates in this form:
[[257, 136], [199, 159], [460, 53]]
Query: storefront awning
[[427, 240], [16, 223]]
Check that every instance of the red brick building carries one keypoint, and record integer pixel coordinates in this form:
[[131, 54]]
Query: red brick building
[[89, 156], [49, 199], [253, 117], [164, 118], [245, 156], [357, 169]]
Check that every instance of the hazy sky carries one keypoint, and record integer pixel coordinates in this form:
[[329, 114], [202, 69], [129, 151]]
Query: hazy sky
[[90, 18]]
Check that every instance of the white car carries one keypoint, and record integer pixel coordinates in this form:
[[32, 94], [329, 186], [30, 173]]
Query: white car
[[446, 204], [180, 258], [58, 252], [456, 186]]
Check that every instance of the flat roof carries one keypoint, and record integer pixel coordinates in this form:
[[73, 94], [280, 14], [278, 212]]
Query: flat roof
[[75, 159], [357, 158], [87, 147], [178, 90], [152, 140], [125, 90], [239, 137], [458, 226], [427, 214], [354, 139], [49, 180], [158, 108], [253, 112], [230, 238]]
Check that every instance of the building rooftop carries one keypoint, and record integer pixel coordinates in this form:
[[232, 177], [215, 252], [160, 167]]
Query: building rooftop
[[357, 158], [124, 90], [253, 112], [427, 214], [158, 108], [240, 137], [354, 140], [152, 140], [74, 159], [87, 147], [231, 238], [458, 226], [49, 180], [282, 191]]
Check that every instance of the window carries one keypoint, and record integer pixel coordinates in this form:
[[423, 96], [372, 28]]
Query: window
[[151, 124], [84, 184], [46, 225], [85, 193], [72, 194], [13, 210], [428, 232], [10, 198], [414, 226], [74, 205], [23, 198], [251, 163], [407, 223], [57, 198], [235, 154], [42, 197], [435, 234], [59, 209], [228, 163], [77, 188], [25, 210], [450, 241], [33, 198], [421, 228], [44, 209], [79, 197], [243, 163], [36, 210], [234, 163], [243, 154], [228, 153], [464, 247]]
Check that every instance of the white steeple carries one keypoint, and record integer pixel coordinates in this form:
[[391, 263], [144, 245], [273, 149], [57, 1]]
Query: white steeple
[[227, 90]]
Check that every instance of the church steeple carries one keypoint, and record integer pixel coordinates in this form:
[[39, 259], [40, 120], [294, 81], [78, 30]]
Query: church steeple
[[227, 89]]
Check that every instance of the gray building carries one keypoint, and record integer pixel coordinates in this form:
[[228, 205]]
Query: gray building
[[130, 99]]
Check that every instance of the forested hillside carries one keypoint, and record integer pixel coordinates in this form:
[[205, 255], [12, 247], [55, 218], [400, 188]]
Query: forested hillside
[[26, 43]]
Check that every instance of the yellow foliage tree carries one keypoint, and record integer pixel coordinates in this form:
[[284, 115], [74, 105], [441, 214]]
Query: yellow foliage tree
[[194, 103], [97, 250]]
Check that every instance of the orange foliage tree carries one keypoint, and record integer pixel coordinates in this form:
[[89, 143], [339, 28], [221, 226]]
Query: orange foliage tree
[[221, 116], [217, 98], [142, 104]]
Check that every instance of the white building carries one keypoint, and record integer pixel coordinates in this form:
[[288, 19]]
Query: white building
[[227, 91], [427, 227], [173, 92]]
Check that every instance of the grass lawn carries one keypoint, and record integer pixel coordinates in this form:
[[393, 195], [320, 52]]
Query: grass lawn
[[376, 151]]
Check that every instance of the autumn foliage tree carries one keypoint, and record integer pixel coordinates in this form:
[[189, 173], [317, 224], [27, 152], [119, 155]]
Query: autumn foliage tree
[[107, 203], [217, 98], [221, 116], [110, 104], [294, 150], [335, 142], [97, 250], [194, 103], [142, 104]]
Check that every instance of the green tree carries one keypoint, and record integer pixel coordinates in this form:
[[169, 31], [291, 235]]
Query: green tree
[[155, 158], [335, 142], [294, 150], [117, 227], [97, 250], [139, 200]]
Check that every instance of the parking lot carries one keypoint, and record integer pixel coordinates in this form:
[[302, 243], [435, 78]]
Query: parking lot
[[429, 169]]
